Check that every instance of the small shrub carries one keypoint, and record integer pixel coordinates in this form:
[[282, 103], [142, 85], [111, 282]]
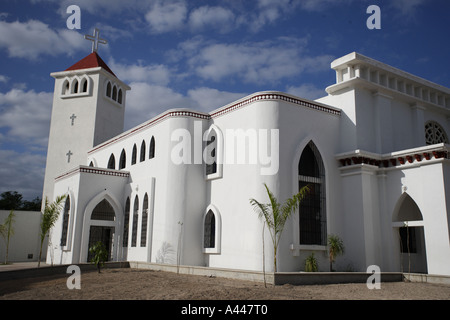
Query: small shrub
[[100, 254], [311, 264]]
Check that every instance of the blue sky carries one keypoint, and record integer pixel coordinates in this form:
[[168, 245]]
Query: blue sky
[[196, 54]]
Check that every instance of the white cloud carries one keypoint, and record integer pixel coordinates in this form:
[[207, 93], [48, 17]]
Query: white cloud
[[156, 73], [207, 99], [145, 101], [22, 172], [112, 33], [255, 62], [26, 116], [166, 16], [34, 38], [268, 11], [320, 5], [212, 17], [307, 91], [98, 6], [407, 8], [3, 78]]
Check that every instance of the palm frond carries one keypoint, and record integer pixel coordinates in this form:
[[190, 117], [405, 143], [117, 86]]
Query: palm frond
[[263, 211], [293, 203]]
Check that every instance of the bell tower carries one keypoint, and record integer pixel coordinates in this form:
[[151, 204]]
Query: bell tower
[[88, 109]]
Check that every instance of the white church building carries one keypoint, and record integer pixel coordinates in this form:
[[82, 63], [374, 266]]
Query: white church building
[[176, 188]]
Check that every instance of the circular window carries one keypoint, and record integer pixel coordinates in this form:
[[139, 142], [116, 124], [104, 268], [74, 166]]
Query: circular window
[[434, 133]]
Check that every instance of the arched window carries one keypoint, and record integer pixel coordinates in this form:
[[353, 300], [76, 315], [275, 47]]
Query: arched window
[[91, 164], [209, 231], [65, 87], [311, 172], [211, 163], [134, 155], [75, 86], [103, 211], [123, 160], [119, 96], [434, 133], [142, 156], [144, 221], [108, 90], [213, 153], [135, 222], [65, 226], [126, 222], [412, 238], [84, 85], [112, 162], [152, 148], [114, 93]]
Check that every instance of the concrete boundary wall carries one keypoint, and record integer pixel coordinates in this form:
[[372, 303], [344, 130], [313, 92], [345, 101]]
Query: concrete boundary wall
[[316, 278], [46, 270], [206, 271], [279, 278], [427, 278]]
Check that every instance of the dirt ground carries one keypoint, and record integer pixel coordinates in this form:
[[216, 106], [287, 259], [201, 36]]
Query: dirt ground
[[136, 284]]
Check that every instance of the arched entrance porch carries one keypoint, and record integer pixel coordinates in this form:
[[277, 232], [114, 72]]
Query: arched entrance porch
[[102, 228], [102, 222], [410, 233]]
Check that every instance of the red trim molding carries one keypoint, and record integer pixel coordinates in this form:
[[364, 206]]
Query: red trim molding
[[394, 161]]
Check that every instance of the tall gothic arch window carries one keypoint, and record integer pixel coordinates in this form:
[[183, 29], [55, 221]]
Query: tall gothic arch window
[[135, 222], [152, 148], [134, 155], [126, 223], [65, 226], [84, 84], [108, 90], [434, 133], [112, 162], [119, 96], [311, 172], [114, 93], [209, 232], [123, 159], [142, 155], [211, 146], [66, 87], [144, 221], [75, 86]]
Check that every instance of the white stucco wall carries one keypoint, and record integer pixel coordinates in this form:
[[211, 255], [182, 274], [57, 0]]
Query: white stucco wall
[[25, 243]]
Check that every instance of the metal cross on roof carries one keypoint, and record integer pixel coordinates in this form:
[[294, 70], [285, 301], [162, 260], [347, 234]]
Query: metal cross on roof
[[95, 38]]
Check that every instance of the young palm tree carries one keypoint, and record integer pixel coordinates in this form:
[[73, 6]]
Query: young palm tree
[[311, 263], [49, 217], [336, 247], [7, 231], [100, 254], [276, 215]]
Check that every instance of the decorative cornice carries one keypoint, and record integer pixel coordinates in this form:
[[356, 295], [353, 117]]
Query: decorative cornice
[[92, 170], [275, 96], [396, 159]]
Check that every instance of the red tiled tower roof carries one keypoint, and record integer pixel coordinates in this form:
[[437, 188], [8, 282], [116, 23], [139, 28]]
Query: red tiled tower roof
[[93, 60]]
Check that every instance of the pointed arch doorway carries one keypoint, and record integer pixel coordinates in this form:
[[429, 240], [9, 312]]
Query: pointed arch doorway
[[100, 229], [102, 221], [410, 233]]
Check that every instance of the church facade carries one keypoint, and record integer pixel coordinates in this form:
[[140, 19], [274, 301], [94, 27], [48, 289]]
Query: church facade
[[176, 188]]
